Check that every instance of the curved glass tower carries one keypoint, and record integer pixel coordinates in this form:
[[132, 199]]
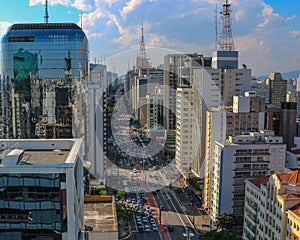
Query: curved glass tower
[[44, 80]]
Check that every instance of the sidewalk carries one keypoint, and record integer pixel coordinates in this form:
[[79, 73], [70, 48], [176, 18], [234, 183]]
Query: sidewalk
[[197, 217], [124, 230]]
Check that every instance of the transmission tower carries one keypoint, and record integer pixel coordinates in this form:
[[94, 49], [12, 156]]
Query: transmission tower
[[226, 42], [142, 61]]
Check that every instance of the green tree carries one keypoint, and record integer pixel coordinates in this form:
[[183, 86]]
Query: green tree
[[220, 235], [121, 194], [226, 222]]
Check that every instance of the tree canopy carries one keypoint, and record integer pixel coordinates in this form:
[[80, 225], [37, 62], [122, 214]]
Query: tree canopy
[[220, 235]]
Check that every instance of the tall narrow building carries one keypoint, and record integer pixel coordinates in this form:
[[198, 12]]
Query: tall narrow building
[[277, 89]]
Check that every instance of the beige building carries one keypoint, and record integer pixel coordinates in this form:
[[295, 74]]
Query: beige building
[[272, 207]]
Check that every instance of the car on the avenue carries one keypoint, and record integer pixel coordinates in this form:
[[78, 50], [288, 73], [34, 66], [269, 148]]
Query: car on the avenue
[[147, 228]]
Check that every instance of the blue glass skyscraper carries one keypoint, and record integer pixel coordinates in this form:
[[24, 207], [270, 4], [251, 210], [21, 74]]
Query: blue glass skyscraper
[[43, 80]]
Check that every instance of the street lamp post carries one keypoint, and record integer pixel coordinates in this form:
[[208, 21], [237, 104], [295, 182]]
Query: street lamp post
[[188, 234]]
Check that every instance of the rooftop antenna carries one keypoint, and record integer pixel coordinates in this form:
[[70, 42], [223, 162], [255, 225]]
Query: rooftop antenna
[[226, 42], [81, 20], [46, 12], [216, 27], [141, 58]]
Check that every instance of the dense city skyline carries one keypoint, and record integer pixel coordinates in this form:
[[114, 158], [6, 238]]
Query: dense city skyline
[[266, 32]]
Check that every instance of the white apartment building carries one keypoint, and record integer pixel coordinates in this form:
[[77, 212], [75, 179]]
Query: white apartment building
[[186, 130], [246, 115], [97, 99], [272, 207], [239, 158]]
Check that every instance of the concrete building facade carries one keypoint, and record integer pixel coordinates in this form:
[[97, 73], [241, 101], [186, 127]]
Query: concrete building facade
[[239, 158], [222, 122], [277, 88]]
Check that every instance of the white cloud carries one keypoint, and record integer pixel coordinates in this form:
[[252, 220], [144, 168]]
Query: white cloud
[[96, 35], [109, 2], [3, 27], [84, 5], [209, 1], [127, 35], [51, 2], [192, 12], [290, 18], [268, 16], [129, 7], [295, 33], [89, 19]]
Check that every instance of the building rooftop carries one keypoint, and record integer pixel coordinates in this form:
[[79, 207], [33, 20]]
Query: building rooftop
[[296, 151], [259, 181], [296, 209], [20, 152], [288, 195], [290, 177], [44, 157], [99, 213], [26, 26]]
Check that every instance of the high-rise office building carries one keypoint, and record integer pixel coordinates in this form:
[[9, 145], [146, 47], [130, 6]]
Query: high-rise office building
[[44, 81], [277, 89], [288, 123]]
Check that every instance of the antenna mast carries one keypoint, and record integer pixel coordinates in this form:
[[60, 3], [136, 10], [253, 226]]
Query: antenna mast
[[226, 42], [216, 27], [141, 58], [46, 12]]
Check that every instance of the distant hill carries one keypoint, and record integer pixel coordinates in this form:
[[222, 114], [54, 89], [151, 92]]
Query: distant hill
[[287, 75]]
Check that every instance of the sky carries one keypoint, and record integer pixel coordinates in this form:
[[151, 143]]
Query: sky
[[265, 32]]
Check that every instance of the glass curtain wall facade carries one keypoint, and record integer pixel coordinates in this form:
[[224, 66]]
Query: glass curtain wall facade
[[44, 81], [34, 204]]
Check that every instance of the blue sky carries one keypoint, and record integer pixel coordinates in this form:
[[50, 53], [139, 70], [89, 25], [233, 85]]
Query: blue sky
[[266, 32]]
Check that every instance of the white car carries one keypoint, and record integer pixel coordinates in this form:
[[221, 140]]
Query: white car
[[147, 228], [148, 208], [154, 227], [145, 220], [138, 221], [152, 221]]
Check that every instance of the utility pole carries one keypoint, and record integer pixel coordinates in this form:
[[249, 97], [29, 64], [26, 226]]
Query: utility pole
[[188, 234]]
